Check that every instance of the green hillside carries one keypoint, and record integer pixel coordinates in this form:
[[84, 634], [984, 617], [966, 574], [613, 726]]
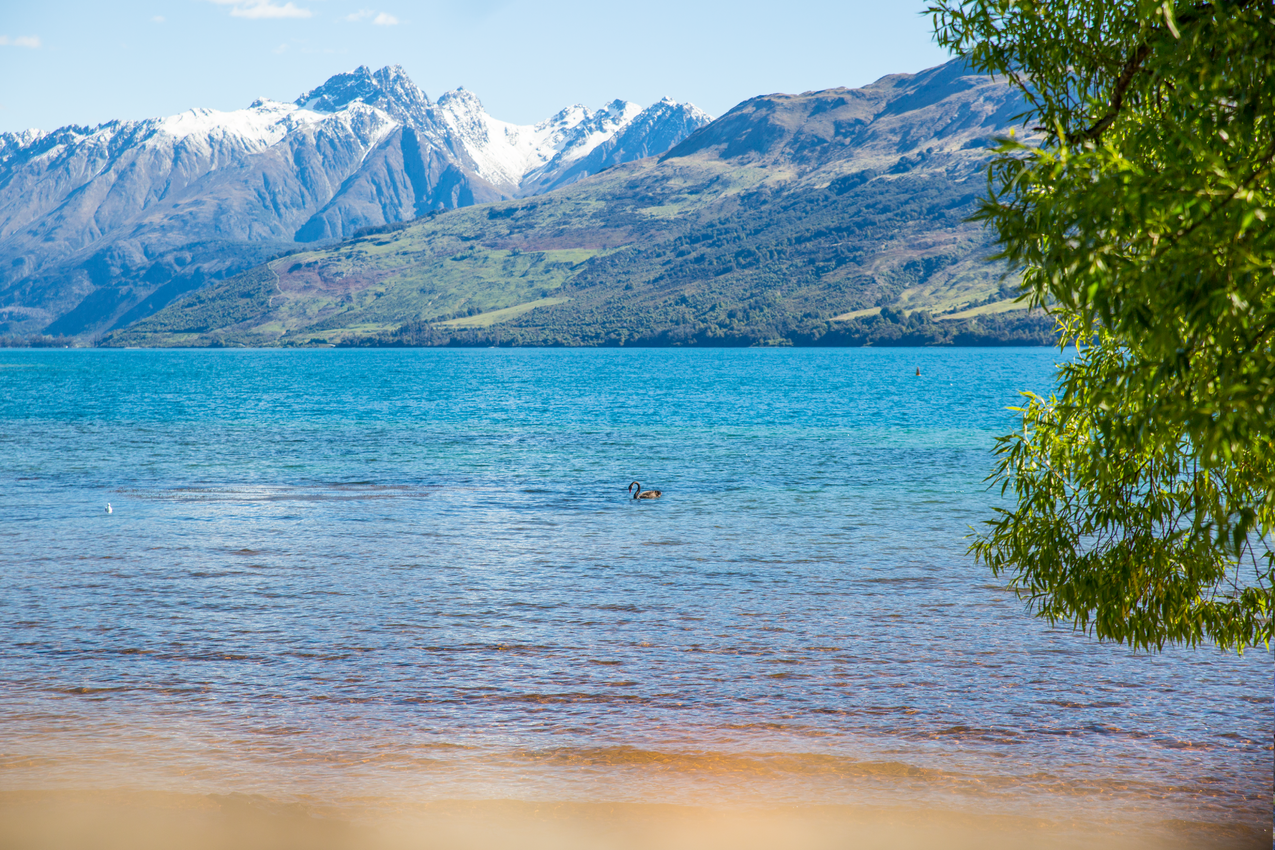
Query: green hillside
[[834, 217]]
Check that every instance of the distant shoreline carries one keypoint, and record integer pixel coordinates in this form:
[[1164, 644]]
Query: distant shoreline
[[887, 329], [461, 344]]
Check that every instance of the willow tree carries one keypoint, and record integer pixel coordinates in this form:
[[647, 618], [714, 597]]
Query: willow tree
[[1138, 207]]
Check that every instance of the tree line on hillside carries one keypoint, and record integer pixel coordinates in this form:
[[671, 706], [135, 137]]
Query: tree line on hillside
[[39, 341], [888, 329]]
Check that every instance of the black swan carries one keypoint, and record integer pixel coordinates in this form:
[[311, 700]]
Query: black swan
[[643, 494]]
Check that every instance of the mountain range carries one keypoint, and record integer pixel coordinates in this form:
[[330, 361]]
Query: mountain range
[[838, 216], [102, 226]]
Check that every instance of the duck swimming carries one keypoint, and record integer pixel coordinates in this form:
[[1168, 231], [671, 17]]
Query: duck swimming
[[643, 494]]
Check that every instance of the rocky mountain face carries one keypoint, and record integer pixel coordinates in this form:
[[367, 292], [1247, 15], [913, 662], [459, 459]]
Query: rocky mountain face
[[102, 226], [828, 217]]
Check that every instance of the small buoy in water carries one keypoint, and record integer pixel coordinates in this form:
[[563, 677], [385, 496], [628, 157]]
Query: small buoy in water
[[918, 371], [108, 507]]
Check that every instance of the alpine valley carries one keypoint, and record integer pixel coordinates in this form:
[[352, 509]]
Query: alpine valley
[[364, 213]]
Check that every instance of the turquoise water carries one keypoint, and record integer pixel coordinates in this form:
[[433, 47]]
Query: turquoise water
[[417, 574]]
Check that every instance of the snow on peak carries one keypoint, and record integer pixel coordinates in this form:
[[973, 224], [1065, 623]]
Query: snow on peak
[[460, 99], [259, 126], [10, 142], [506, 153], [370, 104], [389, 89], [350, 96], [462, 113], [339, 90], [393, 77], [695, 112]]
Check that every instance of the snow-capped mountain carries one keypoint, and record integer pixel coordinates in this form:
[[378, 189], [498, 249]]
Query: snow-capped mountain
[[650, 132], [101, 226], [506, 153]]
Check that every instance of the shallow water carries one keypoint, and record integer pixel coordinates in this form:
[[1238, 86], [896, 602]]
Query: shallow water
[[417, 575]]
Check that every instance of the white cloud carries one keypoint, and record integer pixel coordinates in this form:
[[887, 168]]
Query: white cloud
[[384, 19], [31, 41], [159, 19], [257, 9], [280, 49], [269, 10]]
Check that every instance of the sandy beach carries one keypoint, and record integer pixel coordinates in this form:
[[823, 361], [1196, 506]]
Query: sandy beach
[[141, 820]]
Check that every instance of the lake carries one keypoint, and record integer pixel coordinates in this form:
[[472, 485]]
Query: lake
[[380, 578]]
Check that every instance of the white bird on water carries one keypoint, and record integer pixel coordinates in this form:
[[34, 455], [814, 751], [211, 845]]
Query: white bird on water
[[108, 507]]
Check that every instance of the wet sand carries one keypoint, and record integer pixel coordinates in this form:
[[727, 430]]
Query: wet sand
[[142, 820]]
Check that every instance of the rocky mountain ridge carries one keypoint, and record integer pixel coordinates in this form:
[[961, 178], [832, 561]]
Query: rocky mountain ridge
[[101, 226], [830, 217]]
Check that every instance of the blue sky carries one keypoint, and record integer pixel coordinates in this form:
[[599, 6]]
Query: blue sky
[[86, 61]]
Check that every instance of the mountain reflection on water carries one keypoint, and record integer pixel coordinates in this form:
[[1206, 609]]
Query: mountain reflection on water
[[417, 575]]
